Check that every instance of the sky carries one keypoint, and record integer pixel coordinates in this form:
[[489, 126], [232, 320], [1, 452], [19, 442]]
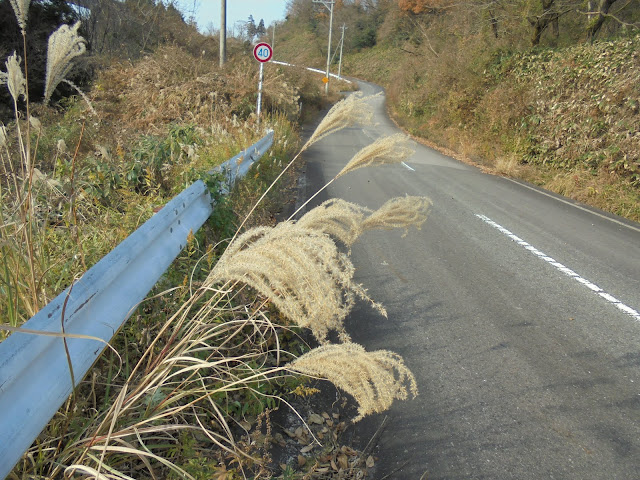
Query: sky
[[208, 11]]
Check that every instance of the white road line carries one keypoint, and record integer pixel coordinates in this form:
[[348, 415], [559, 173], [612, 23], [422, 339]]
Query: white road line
[[567, 271], [574, 205], [412, 169]]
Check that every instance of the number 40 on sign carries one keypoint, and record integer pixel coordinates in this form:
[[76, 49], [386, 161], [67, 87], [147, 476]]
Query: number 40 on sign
[[263, 52]]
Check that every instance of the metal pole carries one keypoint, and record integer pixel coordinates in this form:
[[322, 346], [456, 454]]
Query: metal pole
[[273, 39], [260, 92], [341, 45], [223, 32], [326, 86], [326, 3]]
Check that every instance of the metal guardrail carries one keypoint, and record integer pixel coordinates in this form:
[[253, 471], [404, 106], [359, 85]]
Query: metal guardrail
[[239, 165], [35, 379]]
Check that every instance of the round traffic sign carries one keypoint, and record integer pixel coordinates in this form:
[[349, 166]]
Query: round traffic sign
[[263, 52]]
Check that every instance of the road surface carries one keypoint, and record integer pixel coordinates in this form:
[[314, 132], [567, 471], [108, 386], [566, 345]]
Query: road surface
[[515, 308]]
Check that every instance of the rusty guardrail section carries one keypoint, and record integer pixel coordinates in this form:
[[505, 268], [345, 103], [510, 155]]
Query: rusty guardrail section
[[35, 378]]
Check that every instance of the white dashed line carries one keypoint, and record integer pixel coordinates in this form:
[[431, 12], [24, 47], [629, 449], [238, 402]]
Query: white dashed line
[[567, 271], [408, 167]]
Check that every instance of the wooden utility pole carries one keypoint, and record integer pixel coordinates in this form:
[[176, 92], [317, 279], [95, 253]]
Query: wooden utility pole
[[344, 27], [223, 32]]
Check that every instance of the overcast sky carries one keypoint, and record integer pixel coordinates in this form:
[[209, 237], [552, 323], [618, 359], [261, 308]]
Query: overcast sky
[[208, 11]]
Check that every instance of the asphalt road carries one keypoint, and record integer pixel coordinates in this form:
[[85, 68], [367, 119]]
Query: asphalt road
[[517, 311]]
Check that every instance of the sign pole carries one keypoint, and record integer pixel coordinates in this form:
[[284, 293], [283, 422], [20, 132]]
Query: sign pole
[[260, 91], [262, 52]]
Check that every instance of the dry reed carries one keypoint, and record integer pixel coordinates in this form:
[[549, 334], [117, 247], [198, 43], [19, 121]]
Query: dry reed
[[336, 217], [374, 379], [21, 10], [385, 150], [399, 212], [353, 110], [64, 45], [299, 270]]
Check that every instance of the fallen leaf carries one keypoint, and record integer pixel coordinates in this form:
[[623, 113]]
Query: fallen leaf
[[343, 461], [370, 462], [307, 449], [315, 418], [301, 461]]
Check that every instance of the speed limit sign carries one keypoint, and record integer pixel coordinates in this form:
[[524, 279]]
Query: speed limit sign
[[263, 52]]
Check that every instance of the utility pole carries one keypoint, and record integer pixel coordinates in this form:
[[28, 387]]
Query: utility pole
[[344, 27], [223, 32], [329, 5]]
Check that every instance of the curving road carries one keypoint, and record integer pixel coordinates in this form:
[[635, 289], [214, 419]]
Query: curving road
[[516, 309]]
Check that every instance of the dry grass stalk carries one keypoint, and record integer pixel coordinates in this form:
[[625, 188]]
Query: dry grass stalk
[[400, 212], [346, 221], [374, 379], [385, 150], [336, 217], [301, 271], [64, 45], [353, 110], [21, 10], [14, 78]]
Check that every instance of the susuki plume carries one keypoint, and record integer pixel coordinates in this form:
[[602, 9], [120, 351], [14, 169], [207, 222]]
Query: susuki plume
[[352, 110], [300, 271], [393, 149], [336, 217], [13, 77], [345, 221], [374, 379], [399, 212], [64, 45], [21, 9]]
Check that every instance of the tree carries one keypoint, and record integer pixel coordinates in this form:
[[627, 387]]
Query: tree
[[597, 18], [422, 6]]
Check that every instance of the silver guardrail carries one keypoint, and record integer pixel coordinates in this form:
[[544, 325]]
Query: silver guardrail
[[35, 378]]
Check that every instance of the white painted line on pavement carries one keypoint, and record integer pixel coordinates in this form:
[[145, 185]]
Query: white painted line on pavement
[[412, 169], [574, 205], [567, 271]]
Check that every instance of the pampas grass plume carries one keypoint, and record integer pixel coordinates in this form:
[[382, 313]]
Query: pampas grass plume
[[348, 112], [336, 217], [300, 271], [399, 212], [385, 150], [14, 78], [373, 379], [21, 9], [64, 45]]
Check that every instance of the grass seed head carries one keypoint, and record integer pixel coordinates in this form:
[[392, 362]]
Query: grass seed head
[[374, 379], [301, 271], [336, 217], [21, 9], [400, 212], [385, 150], [14, 78], [64, 45], [353, 110]]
